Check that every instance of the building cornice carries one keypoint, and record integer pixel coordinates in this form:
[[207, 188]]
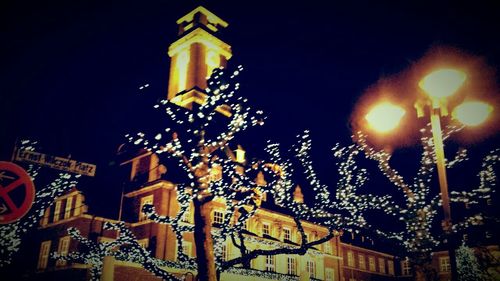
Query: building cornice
[[199, 35], [365, 250], [161, 184]]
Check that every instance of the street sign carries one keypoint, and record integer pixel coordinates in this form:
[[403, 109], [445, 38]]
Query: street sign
[[17, 192], [57, 163]]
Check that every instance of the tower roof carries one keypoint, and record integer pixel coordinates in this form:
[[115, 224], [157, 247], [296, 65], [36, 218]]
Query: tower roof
[[200, 15]]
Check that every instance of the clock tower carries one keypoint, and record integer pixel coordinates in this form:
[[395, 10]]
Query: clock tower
[[194, 55]]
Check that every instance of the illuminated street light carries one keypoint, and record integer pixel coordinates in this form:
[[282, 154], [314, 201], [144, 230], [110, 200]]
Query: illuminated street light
[[442, 83], [472, 113], [385, 117], [437, 85]]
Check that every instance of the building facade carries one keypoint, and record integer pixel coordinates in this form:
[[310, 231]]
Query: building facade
[[194, 55]]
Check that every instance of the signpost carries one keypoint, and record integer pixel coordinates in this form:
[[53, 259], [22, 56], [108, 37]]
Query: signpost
[[17, 192], [57, 163]]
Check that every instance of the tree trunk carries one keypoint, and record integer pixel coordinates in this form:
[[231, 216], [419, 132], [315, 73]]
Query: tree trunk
[[205, 257], [424, 272], [419, 273]]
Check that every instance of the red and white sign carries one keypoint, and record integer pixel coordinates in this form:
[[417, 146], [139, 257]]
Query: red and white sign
[[17, 192]]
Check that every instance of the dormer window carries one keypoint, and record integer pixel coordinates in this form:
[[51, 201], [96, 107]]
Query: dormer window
[[145, 200], [240, 155]]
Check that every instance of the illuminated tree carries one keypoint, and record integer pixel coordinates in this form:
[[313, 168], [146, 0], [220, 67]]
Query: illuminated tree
[[200, 144], [125, 247], [420, 206], [467, 265], [12, 234]]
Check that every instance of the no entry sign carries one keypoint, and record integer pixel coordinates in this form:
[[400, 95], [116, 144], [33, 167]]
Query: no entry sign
[[17, 192]]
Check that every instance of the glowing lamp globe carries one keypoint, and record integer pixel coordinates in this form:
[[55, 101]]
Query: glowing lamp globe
[[472, 113], [385, 117], [442, 83]]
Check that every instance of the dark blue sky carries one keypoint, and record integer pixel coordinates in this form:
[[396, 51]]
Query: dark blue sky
[[71, 70]]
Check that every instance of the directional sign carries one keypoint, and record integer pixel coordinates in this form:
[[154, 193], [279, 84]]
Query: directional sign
[[17, 192], [57, 163]]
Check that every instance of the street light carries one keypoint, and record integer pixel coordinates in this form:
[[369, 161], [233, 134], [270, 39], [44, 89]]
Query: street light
[[442, 83], [472, 113], [385, 116], [437, 85]]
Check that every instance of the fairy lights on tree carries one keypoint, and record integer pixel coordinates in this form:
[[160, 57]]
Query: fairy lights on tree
[[199, 140], [468, 266], [11, 235], [420, 206], [343, 210], [125, 248]]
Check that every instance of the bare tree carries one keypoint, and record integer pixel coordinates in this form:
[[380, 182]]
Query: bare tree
[[420, 206], [200, 144]]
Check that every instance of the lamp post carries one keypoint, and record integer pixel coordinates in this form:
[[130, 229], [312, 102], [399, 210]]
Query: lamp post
[[437, 86]]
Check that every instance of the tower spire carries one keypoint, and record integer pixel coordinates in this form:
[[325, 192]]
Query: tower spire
[[195, 55]]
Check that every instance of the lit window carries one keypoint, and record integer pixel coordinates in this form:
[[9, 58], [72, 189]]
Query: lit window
[[266, 229], [216, 173], [63, 250], [46, 215], [311, 268], [292, 265], [212, 60], [43, 257], [371, 263], [328, 247], [186, 248], [218, 217], [57, 211], [405, 268], [350, 259], [187, 215], [143, 243], [287, 234], [329, 274], [444, 264], [270, 263], [224, 252], [390, 266], [181, 67], [381, 265], [78, 204], [67, 209], [361, 260], [145, 200]]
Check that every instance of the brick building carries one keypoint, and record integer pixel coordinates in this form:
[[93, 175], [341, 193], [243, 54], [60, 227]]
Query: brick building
[[195, 53]]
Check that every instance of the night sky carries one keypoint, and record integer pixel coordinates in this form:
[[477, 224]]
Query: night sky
[[70, 71]]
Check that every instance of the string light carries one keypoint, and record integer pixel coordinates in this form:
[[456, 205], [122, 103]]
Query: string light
[[198, 145], [12, 234], [420, 208]]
